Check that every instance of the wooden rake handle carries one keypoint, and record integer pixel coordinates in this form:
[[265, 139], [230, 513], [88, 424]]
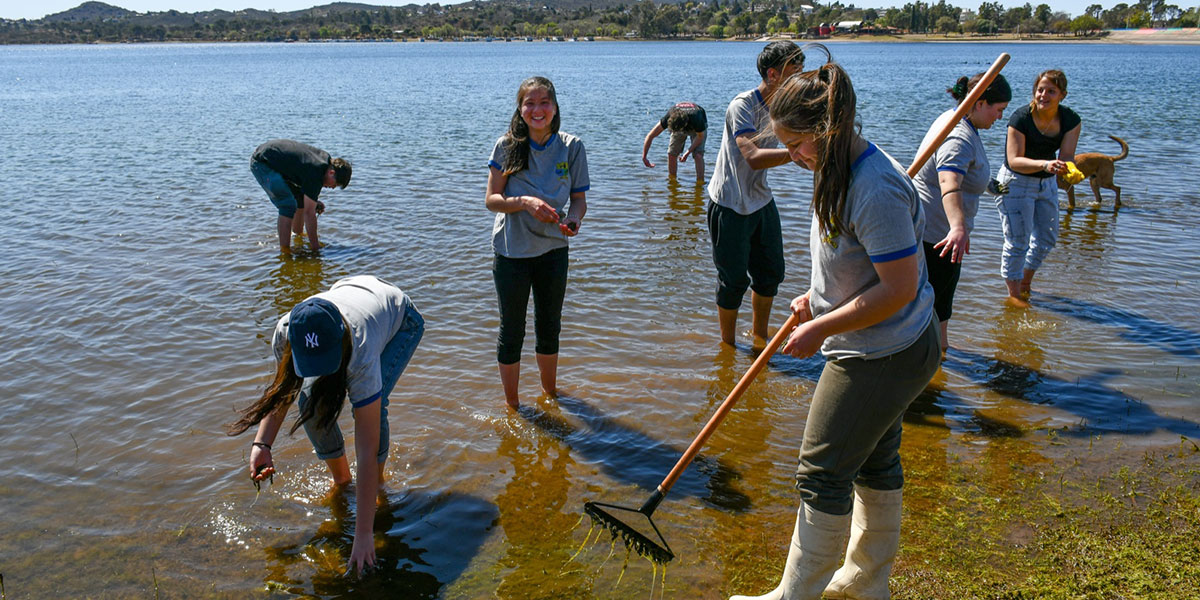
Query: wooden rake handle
[[963, 109], [713, 422]]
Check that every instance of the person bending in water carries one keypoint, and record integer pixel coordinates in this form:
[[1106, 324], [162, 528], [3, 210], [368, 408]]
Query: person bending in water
[[743, 222], [685, 121], [1041, 140], [537, 184], [293, 174], [950, 185], [870, 313], [352, 341]]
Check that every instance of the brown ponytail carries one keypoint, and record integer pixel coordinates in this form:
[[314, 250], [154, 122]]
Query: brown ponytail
[[822, 102]]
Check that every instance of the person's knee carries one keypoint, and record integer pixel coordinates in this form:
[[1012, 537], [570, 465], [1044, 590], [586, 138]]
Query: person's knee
[[826, 492], [729, 297]]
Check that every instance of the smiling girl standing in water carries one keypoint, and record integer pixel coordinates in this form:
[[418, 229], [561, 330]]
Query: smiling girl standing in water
[[1041, 140], [537, 184]]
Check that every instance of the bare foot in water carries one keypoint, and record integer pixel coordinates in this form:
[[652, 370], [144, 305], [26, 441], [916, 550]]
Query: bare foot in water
[[1016, 302]]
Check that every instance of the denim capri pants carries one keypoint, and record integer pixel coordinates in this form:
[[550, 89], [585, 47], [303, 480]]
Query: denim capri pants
[[328, 441], [1029, 214], [277, 188]]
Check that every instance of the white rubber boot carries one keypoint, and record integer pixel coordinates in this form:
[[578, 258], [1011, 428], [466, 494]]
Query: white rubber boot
[[874, 540], [817, 544]]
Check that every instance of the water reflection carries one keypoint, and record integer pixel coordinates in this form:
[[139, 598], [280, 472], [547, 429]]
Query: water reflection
[[295, 278], [424, 541], [537, 520], [1099, 407], [630, 456], [1134, 327]]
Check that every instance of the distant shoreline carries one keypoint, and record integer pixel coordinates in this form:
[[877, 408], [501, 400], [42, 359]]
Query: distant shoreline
[[1188, 36]]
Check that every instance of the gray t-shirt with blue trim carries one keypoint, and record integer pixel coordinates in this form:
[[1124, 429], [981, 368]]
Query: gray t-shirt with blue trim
[[884, 220], [961, 153], [374, 309], [734, 184], [555, 171]]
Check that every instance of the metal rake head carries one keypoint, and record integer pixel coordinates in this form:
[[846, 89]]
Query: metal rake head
[[635, 540]]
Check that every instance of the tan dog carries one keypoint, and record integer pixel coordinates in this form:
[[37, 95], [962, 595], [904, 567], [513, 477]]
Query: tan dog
[[1099, 169]]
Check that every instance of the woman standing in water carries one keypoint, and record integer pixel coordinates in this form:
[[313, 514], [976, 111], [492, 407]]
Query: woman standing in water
[[950, 185], [354, 340], [537, 184], [870, 313], [1041, 140]]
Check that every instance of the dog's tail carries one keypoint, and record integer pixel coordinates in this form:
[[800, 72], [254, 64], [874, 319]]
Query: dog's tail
[[1124, 148]]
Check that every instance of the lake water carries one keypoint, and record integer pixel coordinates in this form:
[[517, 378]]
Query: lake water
[[143, 279]]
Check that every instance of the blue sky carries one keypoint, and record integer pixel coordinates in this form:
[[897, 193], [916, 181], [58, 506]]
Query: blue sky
[[25, 9]]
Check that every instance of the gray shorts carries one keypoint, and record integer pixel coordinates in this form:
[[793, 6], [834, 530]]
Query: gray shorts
[[677, 140]]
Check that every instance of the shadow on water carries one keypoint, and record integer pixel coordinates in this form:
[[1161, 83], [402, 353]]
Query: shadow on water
[[631, 456], [1135, 328], [424, 542], [1098, 407], [938, 407]]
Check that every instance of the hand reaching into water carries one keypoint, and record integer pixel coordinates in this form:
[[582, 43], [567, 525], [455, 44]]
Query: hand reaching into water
[[362, 556]]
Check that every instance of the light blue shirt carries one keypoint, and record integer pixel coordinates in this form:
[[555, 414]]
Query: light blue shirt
[[555, 171], [961, 153], [374, 310], [883, 221], [734, 184]]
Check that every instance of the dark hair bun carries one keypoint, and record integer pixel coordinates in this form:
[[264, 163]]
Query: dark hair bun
[[959, 91]]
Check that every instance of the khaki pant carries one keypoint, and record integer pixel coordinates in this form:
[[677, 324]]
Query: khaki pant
[[853, 428]]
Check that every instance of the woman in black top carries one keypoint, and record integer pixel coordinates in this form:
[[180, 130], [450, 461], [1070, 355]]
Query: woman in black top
[[1041, 139]]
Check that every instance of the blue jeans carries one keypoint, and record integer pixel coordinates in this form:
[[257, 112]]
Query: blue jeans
[[1029, 214], [328, 441], [277, 188]]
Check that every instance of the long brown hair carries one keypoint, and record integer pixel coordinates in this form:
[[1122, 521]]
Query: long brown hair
[[822, 102], [516, 139], [328, 394]]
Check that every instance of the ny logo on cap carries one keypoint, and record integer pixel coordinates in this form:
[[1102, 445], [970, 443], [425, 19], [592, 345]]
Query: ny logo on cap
[[311, 341]]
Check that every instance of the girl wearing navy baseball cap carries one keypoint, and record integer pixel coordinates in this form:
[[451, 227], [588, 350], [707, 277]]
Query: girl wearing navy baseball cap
[[352, 341]]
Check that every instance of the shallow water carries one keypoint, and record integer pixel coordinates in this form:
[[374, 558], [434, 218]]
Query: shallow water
[[143, 280]]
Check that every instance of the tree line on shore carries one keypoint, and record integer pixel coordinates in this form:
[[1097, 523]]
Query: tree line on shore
[[99, 22]]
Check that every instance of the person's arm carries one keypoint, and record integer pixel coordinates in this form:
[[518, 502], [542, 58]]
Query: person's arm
[[761, 158], [957, 241], [897, 287], [366, 448], [697, 143], [496, 201], [658, 128], [261, 465], [575, 213], [310, 222], [1066, 151], [1014, 151]]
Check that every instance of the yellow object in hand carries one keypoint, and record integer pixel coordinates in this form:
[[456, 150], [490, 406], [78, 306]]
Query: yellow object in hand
[[1073, 174]]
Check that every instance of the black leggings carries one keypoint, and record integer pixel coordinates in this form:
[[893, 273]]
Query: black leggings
[[546, 275]]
